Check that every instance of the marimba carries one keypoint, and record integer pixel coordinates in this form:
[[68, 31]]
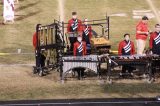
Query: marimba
[[131, 59], [145, 61], [71, 62]]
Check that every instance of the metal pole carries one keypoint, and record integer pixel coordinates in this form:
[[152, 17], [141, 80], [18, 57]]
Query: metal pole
[[108, 28]]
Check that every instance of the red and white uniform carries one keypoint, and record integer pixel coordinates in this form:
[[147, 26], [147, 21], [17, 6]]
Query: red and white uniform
[[74, 25], [8, 10], [34, 40], [86, 36], [79, 48], [154, 43], [143, 27], [126, 48], [87, 31]]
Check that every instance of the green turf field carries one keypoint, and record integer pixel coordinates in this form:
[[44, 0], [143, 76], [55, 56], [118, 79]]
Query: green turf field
[[20, 83], [28, 13]]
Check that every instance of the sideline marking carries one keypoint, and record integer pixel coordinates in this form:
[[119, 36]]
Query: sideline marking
[[7, 65], [138, 14], [119, 15], [4, 54], [152, 6]]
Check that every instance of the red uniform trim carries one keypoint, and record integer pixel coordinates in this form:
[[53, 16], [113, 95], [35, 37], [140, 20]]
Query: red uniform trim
[[141, 27], [152, 37], [123, 44], [70, 23], [76, 45], [89, 29], [34, 40]]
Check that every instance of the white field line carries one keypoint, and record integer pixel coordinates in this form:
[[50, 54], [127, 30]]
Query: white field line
[[137, 14], [150, 3], [61, 9], [142, 11], [119, 15], [12, 65], [1, 54]]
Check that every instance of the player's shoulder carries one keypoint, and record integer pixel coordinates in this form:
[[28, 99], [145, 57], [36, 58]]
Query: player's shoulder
[[121, 42], [77, 42], [70, 20], [83, 42], [89, 26], [132, 42], [153, 33], [79, 20], [139, 24]]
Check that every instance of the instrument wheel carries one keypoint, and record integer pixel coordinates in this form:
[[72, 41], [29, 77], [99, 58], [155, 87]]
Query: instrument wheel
[[109, 80], [40, 72], [145, 75], [150, 80], [35, 70]]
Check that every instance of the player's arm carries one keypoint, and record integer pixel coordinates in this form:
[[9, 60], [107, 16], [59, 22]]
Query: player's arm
[[79, 25], [151, 41], [68, 26], [85, 49], [90, 32], [74, 49], [133, 49], [120, 49], [140, 31]]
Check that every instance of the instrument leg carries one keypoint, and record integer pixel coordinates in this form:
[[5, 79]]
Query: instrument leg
[[80, 74], [35, 70], [150, 72], [99, 71], [61, 72], [109, 72], [145, 70], [41, 72]]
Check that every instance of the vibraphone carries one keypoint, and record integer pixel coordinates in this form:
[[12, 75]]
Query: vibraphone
[[131, 59], [144, 61], [155, 63], [71, 62]]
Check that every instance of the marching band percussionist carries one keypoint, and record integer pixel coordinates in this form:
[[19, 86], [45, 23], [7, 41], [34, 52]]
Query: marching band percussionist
[[74, 26], [79, 50], [79, 47], [154, 45], [39, 56], [141, 34], [155, 40], [87, 35], [34, 40], [126, 47]]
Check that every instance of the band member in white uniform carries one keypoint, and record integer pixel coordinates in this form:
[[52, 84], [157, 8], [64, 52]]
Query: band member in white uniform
[[8, 10]]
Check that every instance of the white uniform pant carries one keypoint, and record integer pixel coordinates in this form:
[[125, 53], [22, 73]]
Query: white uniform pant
[[140, 46]]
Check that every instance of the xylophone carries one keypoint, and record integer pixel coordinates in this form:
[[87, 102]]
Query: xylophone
[[71, 62], [146, 62], [131, 59], [135, 59], [155, 62]]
